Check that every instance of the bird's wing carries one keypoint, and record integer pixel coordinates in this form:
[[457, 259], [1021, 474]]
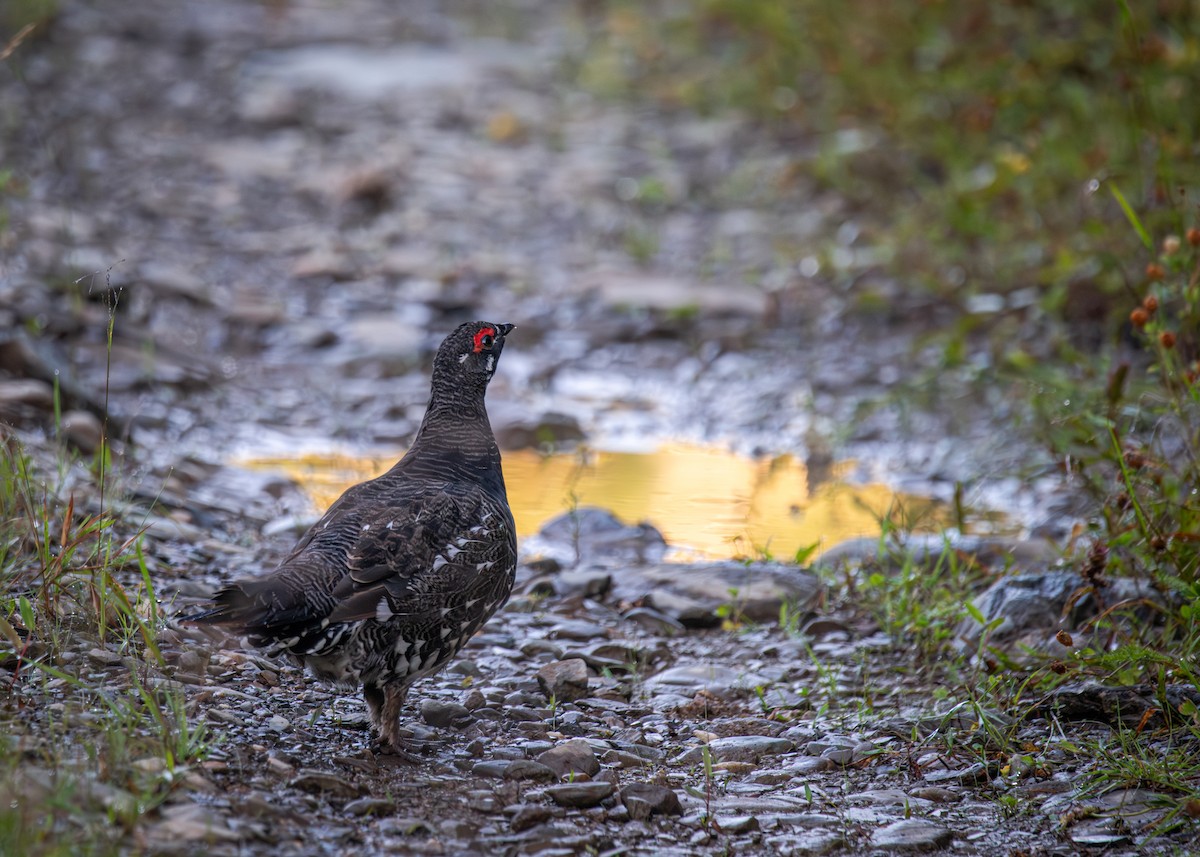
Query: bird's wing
[[423, 556]]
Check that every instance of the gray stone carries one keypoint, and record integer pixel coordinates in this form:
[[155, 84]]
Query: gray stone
[[571, 756], [436, 712], [811, 843], [738, 748], [589, 533], [568, 584], [83, 430], [190, 823], [515, 429], [580, 795], [370, 806], [646, 799], [912, 834], [1035, 604], [690, 679], [527, 769], [655, 621], [26, 391], [695, 593], [324, 782], [564, 681], [492, 768], [529, 815], [671, 294], [976, 774], [404, 825], [577, 629]]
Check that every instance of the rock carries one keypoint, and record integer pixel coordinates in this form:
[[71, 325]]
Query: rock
[[324, 782], [103, 657], [564, 681], [690, 679], [738, 824], [370, 806], [646, 799], [577, 629], [590, 533], [527, 769], [739, 748], [571, 756], [672, 295], [580, 795], [687, 611], [357, 73], [912, 834], [191, 822], [696, 594], [515, 429], [279, 724], [936, 794], [404, 825], [436, 712], [812, 843], [83, 430], [26, 391], [655, 621], [568, 584], [1092, 701], [492, 768], [1038, 604], [976, 774], [395, 344], [529, 815]]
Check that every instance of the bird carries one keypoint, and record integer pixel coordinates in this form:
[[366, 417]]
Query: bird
[[402, 570]]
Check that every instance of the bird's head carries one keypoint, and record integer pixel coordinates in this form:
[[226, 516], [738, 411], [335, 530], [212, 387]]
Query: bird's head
[[468, 356]]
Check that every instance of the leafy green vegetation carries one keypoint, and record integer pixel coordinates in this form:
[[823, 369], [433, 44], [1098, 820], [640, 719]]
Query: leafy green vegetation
[[95, 734], [1035, 168], [974, 143]]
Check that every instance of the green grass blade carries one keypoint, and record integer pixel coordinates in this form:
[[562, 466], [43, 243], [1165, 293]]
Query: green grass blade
[[1131, 216]]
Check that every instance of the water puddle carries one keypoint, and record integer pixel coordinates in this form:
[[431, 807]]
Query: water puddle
[[712, 502]]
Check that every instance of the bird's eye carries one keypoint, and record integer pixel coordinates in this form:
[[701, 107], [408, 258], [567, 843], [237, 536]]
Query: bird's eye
[[487, 340]]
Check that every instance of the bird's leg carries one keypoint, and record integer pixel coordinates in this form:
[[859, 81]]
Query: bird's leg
[[374, 697], [389, 717], [385, 708]]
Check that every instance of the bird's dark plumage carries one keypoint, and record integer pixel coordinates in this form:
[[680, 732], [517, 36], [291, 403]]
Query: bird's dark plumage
[[402, 570]]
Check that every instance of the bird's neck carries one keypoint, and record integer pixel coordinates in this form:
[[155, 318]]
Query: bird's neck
[[459, 425]]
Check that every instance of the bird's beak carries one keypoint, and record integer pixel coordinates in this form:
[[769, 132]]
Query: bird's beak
[[505, 329]]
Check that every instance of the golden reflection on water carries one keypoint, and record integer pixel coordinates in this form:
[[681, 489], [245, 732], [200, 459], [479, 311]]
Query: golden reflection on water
[[709, 500]]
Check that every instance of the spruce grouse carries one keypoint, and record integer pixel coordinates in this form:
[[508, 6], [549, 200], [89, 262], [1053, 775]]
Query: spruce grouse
[[402, 570]]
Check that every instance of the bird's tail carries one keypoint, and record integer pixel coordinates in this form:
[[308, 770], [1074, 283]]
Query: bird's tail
[[230, 606]]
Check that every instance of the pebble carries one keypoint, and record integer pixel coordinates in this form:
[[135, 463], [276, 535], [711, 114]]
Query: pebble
[[712, 678], [370, 806], [571, 756], [646, 799], [527, 769], [83, 429], [655, 621], [104, 657], [529, 815], [738, 748], [402, 825], [191, 822], [438, 713], [912, 834], [737, 824], [324, 782], [564, 681], [580, 795]]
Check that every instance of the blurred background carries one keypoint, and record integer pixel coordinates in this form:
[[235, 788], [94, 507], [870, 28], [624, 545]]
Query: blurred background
[[781, 272]]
